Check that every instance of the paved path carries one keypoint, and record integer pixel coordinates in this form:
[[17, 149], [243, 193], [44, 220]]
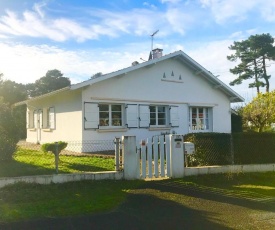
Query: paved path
[[166, 205]]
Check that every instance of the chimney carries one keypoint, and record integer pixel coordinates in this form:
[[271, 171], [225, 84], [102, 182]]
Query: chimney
[[155, 53]]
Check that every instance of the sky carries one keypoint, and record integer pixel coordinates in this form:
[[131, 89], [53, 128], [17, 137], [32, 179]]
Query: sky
[[84, 37]]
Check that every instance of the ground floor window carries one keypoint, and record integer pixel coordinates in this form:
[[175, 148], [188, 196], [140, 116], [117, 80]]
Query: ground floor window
[[199, 119], [110, 115], [158, 115]]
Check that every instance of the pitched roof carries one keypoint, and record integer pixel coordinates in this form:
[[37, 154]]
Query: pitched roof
[[179, 55]]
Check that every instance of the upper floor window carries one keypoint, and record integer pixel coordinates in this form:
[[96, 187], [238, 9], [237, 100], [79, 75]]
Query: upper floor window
[[158, 115], [110, 115], [199, 119]]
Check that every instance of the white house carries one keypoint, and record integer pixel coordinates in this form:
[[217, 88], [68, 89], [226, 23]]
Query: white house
[[166, 94]]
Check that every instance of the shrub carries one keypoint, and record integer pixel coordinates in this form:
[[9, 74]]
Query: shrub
[[210, 149], [51, 147], [8, 132], [254, 148]]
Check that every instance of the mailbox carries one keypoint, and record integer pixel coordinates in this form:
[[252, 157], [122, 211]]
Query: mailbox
[[189, 148]]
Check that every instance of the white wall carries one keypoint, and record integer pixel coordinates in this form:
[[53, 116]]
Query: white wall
[[68, 118], [146, 86]]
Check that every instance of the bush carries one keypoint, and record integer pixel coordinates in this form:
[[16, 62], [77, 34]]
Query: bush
[[210, 149], [51, 147], [8, 132], [254, 148]]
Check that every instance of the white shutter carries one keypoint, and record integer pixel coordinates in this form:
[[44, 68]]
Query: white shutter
[[91, 116], [28, 119], [35, 119], [174, 116], [144, 116], [132, 116], [51, 118], [40, 118]]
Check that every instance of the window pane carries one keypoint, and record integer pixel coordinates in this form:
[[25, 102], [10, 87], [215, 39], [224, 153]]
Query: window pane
[[103, 115], [161, 109], [161, 121], [153, 121], [116, 119], [103, 107], [152, 109], [116, 108]]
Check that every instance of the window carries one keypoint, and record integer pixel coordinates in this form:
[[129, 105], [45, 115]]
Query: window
[[110, 115], [49, 120], [158, 115], [30, 119], [199, 119]]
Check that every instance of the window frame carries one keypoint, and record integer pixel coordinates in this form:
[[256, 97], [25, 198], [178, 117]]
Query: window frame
[[110, 113], [205, 116], [157, 113]]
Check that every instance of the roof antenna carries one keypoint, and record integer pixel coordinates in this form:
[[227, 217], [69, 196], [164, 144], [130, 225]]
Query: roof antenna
[[152, 36]]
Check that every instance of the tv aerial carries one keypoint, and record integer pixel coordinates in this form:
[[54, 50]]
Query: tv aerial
[[152, 36]]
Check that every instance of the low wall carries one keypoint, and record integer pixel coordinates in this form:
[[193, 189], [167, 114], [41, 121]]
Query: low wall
[[194, 171], [62, 178]]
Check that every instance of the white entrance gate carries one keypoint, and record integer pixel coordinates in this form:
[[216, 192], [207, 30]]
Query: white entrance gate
[[154, 156], [157, 157]]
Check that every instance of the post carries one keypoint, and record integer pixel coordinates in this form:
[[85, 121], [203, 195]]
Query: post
[[177, 156], [232, 149], [56, 157], [117, 153], [131, 158]]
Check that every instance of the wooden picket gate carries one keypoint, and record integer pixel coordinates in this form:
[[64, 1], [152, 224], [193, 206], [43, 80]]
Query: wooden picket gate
[[154, 156]]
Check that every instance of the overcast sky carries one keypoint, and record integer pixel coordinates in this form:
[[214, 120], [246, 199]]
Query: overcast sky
[[81, 38]]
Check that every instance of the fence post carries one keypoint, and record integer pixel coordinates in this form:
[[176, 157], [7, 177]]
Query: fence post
[[131, 158], [177, 156], [117, 153], [56, 157]]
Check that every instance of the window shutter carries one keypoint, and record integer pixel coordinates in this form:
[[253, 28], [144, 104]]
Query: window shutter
[[28, 119], [35, 119], [51, 118], [174, 116], [40, 118], [132, 116], [144, 116], [91, 116]]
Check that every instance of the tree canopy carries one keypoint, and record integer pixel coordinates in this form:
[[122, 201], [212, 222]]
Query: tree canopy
[[260, 112], [53, 80], [253, 54]]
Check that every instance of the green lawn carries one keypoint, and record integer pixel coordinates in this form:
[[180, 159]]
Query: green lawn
[[32, 162], [28, 201]]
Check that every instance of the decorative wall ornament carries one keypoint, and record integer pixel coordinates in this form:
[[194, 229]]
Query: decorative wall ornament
[[172, 78]]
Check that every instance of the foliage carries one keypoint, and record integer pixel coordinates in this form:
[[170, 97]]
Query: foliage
[[210, 148], [53, 147], [8, 132], [253, 54], [254, 148], [53, 80], [236, 123], [12, 92], [260, 112], [96, 75]]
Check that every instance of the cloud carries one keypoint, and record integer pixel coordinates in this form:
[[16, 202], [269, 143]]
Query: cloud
[[27, 63], [236, 10], [39, 23]]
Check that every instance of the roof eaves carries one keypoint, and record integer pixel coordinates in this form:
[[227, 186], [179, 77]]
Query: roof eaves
[[42, 96]]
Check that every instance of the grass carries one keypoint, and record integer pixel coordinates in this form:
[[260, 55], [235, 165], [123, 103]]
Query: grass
[[28, 201], [33, 162]]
